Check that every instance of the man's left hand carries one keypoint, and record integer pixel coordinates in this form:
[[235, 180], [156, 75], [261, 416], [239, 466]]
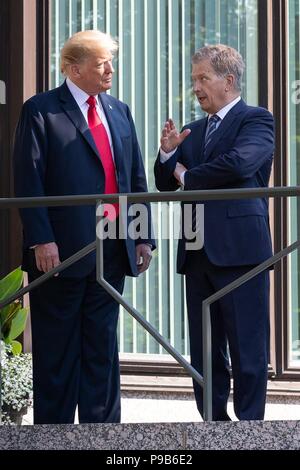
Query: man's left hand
[[179, 169], [143, 257]]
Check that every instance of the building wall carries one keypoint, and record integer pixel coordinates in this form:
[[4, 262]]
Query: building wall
[[157, 38]]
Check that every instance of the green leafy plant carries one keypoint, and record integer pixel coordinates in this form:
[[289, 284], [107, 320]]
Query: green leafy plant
[[12, 317]]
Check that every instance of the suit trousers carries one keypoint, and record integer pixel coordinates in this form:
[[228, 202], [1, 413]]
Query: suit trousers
[[241, 320], [74, 343]]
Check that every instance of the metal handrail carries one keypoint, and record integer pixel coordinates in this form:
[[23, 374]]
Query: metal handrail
[[181, 196], [153, 332], [206, 322], [40, 280], [203, 195]]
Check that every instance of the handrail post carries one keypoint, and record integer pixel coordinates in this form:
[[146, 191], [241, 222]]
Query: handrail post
[[207, 362], [135, 314], [206, 322], [99, 246]]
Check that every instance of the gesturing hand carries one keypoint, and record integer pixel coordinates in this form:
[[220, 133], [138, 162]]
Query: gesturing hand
[[170, 137], [46, 256]]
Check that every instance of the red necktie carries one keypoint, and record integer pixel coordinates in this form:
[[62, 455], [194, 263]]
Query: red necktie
[[103, 146]]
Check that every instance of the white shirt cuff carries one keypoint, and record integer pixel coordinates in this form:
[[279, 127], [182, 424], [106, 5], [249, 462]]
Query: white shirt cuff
[[164, 156], [182, 178]]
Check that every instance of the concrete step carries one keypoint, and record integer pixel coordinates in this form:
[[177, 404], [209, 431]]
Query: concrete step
[[162, 419], [254, 435]]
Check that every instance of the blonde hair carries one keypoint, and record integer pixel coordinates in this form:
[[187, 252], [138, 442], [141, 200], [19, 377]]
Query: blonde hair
[[224, 60], [82, 44]]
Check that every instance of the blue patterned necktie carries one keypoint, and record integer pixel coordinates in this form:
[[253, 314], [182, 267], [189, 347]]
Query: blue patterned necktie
[[211, 127]]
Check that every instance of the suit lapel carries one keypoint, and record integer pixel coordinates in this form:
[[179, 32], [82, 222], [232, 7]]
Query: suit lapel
[[72, 109], [223, 127], [198, 142]]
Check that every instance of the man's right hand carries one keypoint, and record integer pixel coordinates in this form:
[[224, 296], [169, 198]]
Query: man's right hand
[[46, 256], [171, 138]]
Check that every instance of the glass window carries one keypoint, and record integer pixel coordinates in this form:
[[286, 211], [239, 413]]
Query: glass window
[[157, 39], [294, 179]]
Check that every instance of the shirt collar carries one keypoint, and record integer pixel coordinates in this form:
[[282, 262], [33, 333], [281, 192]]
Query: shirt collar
[[79, 95], [222, 112]]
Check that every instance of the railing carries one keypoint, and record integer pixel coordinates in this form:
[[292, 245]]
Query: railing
[[206, 322], [205, 195]]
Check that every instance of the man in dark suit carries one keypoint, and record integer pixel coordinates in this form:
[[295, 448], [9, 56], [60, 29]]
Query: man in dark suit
[[72, 140], [230, 148]]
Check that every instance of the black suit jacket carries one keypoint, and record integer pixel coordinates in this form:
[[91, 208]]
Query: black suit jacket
[[55, 155], [239, 155]]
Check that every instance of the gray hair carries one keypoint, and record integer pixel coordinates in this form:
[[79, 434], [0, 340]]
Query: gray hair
[[224, 60]]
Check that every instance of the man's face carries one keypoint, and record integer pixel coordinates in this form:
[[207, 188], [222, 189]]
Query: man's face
[[95, 72], [209, 87]]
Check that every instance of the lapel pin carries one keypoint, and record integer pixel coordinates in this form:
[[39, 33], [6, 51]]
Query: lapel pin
[[110, 106]]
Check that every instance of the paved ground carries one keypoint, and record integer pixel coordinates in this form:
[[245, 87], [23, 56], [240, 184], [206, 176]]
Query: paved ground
[[151, 410]]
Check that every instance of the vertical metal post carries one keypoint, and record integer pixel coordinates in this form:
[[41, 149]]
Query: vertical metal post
[[207, 362], [118, 297], [99, 244]]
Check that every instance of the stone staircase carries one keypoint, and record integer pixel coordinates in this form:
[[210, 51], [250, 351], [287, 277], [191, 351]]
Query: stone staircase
[[252, 435], [159, 413]]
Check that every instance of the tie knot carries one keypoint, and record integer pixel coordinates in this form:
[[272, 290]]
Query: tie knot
[[214, 119], [91, 101]]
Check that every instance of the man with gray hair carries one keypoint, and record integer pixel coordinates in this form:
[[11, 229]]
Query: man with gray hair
[[73, 140], [230, 148]]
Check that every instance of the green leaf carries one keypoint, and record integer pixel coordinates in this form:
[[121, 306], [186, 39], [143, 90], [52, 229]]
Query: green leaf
[[11, 283], [18, 323], [5, 330], [9, 312], [12, 317], [16, 347]]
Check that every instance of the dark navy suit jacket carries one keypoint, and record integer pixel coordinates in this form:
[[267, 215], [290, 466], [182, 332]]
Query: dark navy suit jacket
[[236, 232], [55, 155]]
